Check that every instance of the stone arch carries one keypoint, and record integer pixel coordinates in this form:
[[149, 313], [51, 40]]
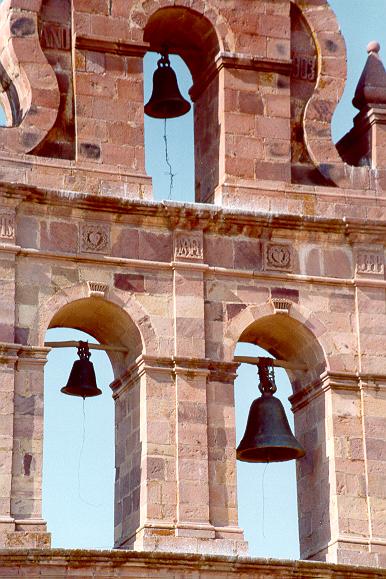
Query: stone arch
[[263, 326], [204, 27], [113, 319]]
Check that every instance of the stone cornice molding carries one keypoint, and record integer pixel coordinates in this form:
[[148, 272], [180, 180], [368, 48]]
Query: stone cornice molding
[[225, 564], [100, 44], [21, 354], [239, 61], [140, 264], [215, 370], [210, 218], [338, 381]]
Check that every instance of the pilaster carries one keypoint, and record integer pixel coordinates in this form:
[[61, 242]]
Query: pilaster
[[339, 504]]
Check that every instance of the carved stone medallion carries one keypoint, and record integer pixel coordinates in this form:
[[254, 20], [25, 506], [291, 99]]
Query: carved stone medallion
[[278, 257], [95, 238]]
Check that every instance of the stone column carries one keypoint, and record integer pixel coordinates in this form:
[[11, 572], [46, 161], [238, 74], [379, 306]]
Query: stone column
[[332, 489], [222, 457], [145, 491], [27, 459], [373, 401], [192, 452], [8, 359]]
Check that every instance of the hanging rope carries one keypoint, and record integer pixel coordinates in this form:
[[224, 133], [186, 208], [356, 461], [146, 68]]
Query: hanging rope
[[80, 459], [170, 173], [263, 497]]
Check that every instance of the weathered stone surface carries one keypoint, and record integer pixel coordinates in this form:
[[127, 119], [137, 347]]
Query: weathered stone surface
[[291, 257]]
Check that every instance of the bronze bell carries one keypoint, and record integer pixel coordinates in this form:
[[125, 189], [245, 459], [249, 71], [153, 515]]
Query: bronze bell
[[268, 436], [82, 381], [166, 101]]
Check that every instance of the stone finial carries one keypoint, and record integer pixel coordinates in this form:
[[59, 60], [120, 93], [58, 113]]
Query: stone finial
[[371, 87], [373, 47]]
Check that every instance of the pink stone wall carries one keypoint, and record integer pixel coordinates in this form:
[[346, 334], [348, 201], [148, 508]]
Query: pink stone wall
[[291, 257]]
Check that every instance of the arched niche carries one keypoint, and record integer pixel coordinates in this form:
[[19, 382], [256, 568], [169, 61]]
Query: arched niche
[[296, 336], [193, 37]]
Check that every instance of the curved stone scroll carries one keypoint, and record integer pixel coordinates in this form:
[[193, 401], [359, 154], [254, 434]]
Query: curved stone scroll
[[332, 74], [28, 82]]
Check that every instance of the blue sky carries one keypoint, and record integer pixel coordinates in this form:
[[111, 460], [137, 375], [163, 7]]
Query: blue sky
[[79, 468]]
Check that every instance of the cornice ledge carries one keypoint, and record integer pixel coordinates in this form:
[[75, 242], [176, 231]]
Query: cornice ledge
[[101, 44], [244, 61], [232, 564], [208, 217], [348, 381]]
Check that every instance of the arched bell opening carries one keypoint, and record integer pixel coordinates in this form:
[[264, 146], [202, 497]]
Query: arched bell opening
[[79, 434], [191, 36], [108, 324], [266, 494], [78, 456], [172, 158], [285, 338]]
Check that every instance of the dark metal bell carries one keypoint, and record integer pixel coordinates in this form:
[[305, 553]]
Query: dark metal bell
[[166, 101], [268, 436], [82, 380]]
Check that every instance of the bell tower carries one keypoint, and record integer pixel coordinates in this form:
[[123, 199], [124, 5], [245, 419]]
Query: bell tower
[[284, 247]]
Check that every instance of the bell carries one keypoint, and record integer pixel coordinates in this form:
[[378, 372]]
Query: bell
[[166, 101], [82, 381], [268, 436]]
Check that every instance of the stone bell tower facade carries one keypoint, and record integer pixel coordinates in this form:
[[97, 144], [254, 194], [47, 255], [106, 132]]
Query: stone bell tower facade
[[284, 247]]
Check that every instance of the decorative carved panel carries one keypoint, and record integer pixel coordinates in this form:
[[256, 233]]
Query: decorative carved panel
[[188, 246], [370, 262], [281, 305], [278, 257], [95, 238], [7, 226]]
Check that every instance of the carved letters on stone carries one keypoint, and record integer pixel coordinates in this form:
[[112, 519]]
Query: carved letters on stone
[[304, 68], [7, 226], [370, 262], [278, 257], [95, 238], [55, 36], [188, 246]]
